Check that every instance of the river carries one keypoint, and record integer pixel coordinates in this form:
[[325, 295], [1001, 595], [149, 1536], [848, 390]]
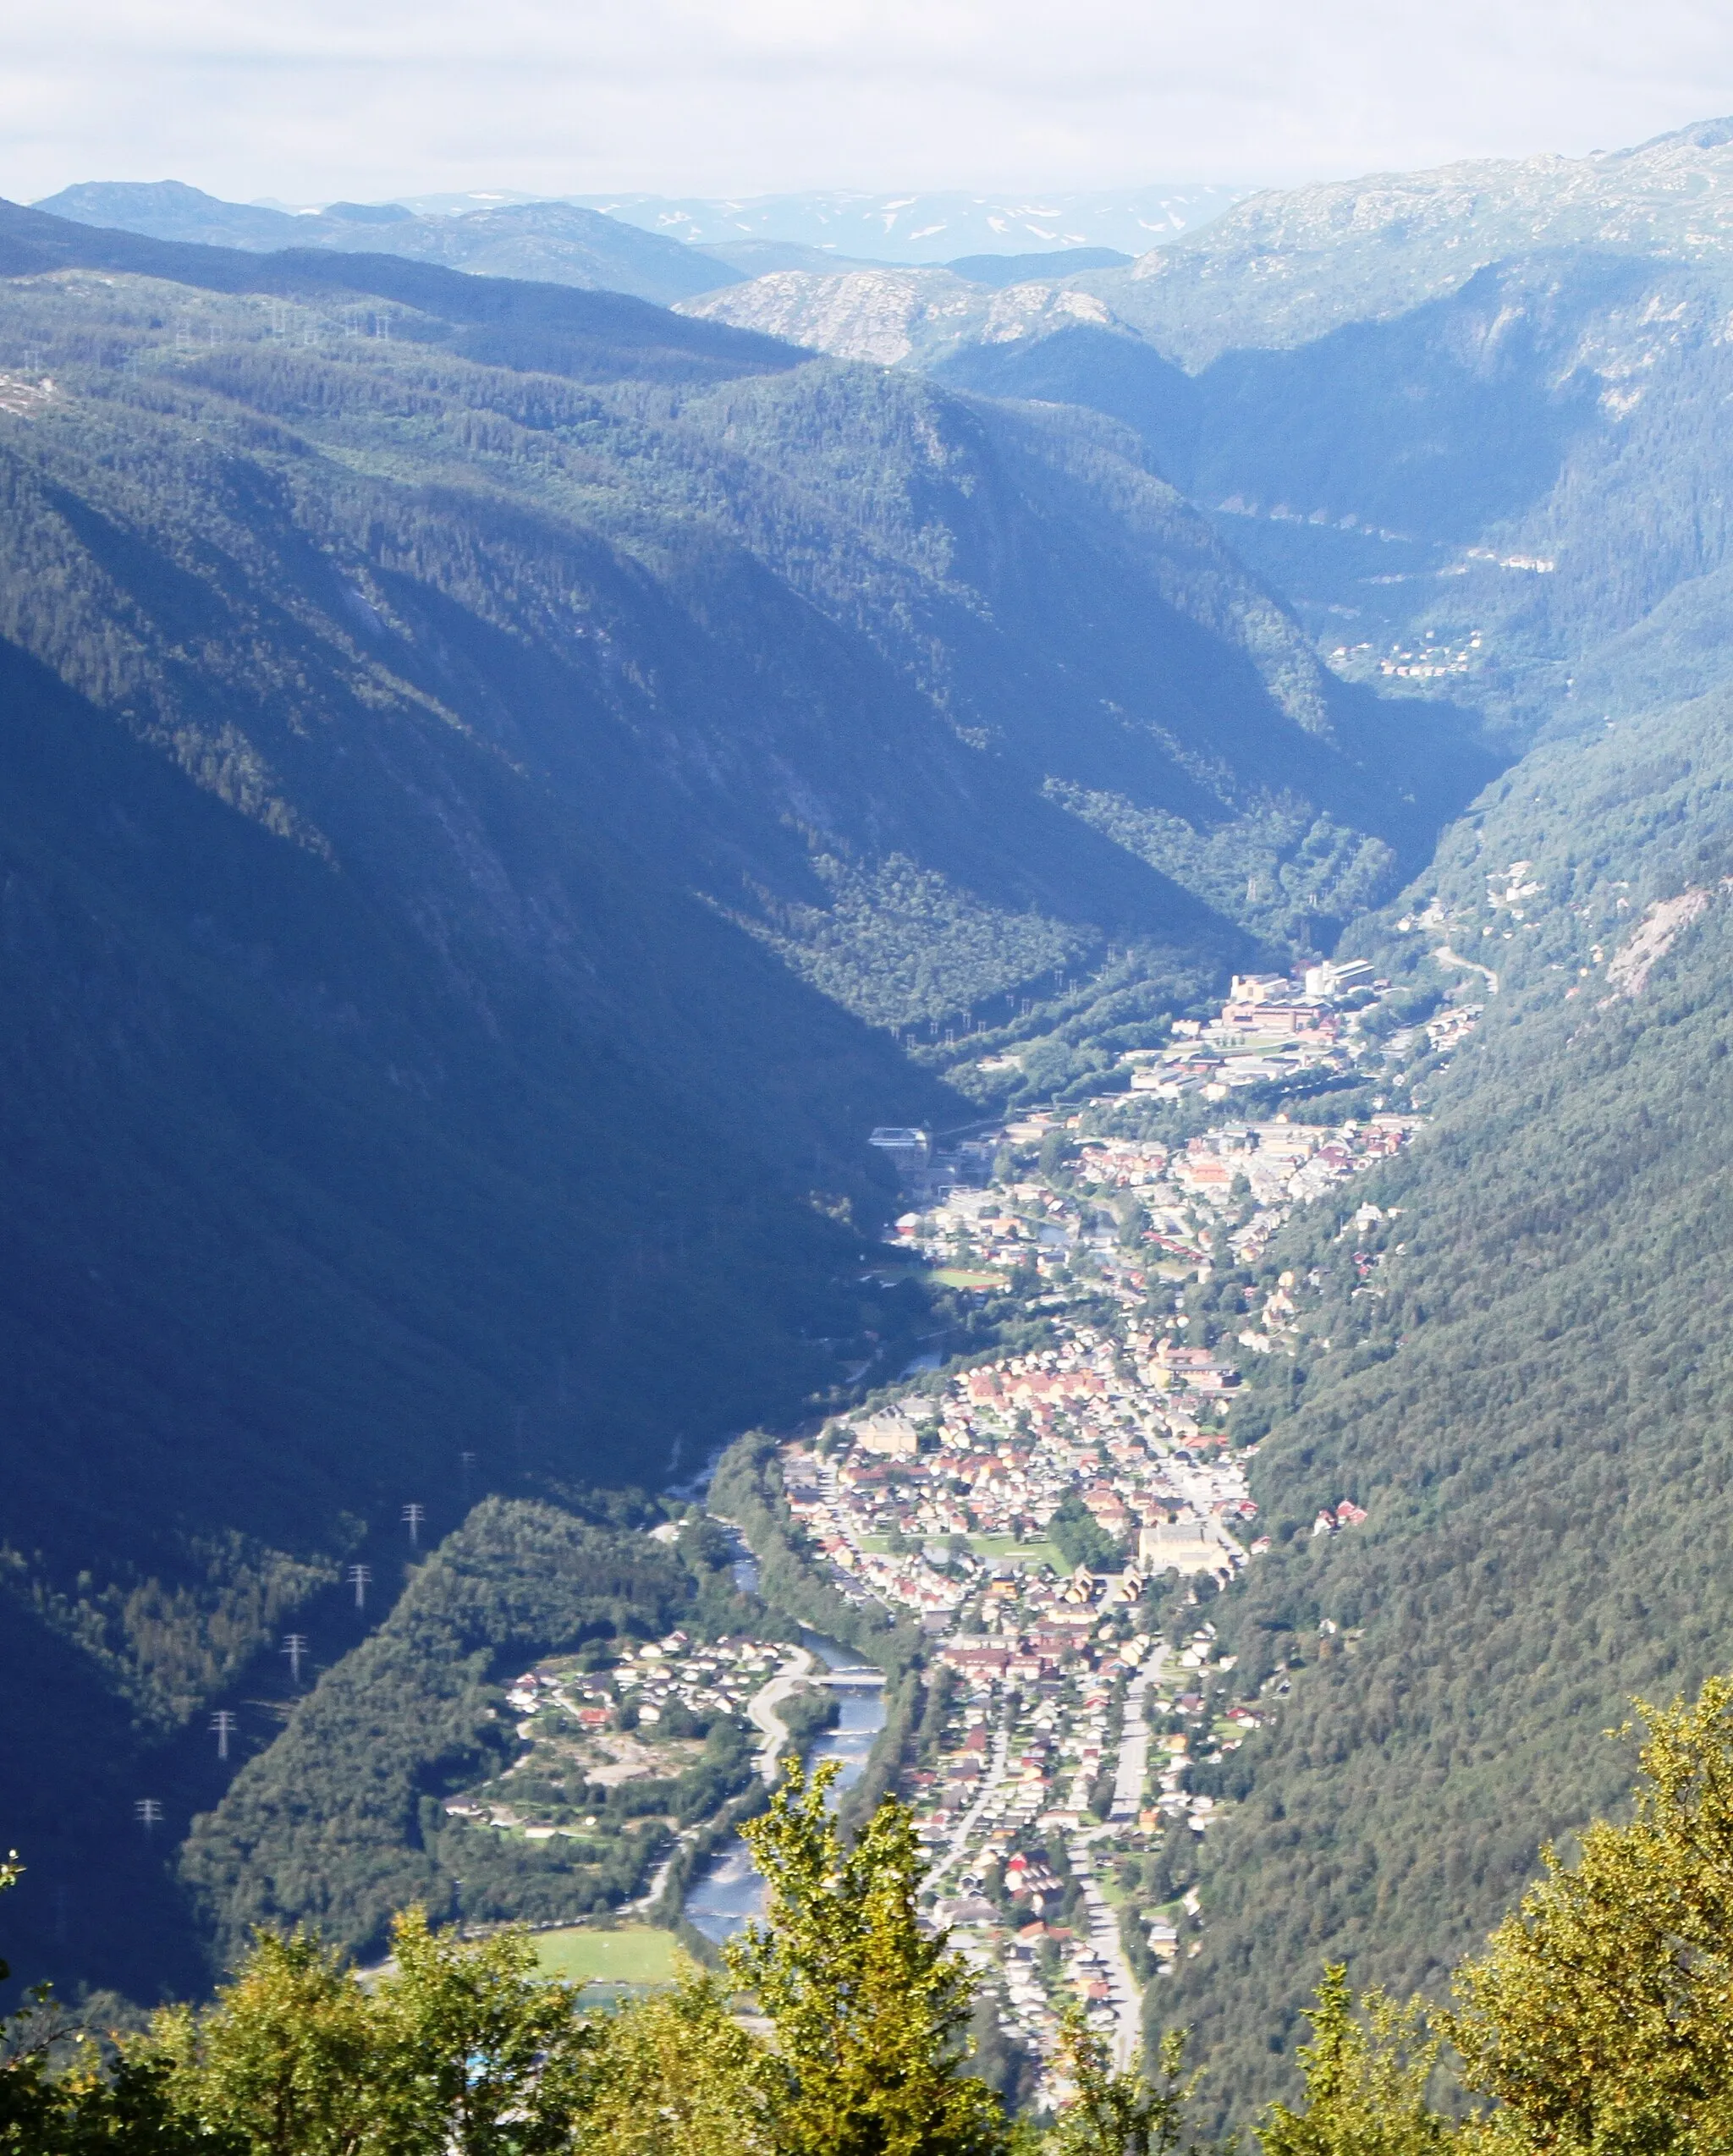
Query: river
[[728, 1891]]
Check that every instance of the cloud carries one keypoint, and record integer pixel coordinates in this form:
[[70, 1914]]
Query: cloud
[[308, 99]]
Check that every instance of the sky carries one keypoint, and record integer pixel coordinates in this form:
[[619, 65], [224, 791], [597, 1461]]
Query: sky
[[309, 100]]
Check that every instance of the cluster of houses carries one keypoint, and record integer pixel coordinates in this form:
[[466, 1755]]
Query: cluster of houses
[[1026, 1761], [715, 1677], [710, 1679], [578, 1718], [1218, 1198], [917, 1502], [1074, 1724]]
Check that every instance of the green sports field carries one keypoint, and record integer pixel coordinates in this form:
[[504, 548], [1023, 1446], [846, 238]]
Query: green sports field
[[635, 1955]]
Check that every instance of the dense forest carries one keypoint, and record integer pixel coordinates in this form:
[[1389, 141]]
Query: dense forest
[[505, 786], [504, 789], [1523, 1380], [339, 1824]]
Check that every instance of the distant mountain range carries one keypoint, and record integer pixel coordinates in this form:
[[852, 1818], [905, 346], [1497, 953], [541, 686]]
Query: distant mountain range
[[1422, 405], [556, 243], [891, 226], [1277, 269], [550, 242], [933, 228]]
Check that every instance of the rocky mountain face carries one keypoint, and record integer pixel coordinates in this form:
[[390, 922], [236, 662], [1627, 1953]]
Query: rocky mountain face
[[1426, 408], [1281, 269], [896, 317]]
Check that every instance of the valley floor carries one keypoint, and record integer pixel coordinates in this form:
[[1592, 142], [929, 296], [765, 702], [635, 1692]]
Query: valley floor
[[1059, 1520]]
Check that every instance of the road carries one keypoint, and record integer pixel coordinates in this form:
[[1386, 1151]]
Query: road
[[1128, 1779], [659, 1879], [1133, 1769], [1124, 1995], [989, 1782], [760, 1710], [760, 1713], [1445, 956]]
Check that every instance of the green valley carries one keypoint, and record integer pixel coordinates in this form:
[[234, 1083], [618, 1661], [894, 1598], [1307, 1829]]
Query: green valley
[[994, 1044]]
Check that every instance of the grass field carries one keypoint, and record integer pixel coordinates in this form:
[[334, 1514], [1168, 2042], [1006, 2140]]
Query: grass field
[[1001, 1550], [635, 1955], [944, 1276]]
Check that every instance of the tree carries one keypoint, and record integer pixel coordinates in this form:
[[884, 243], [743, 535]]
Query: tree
[[1602, 2014], [868, 2012], [672, 2075], [1111, 2114], [283, 2060], [477, 2052], [1365, 2081], [1080, 1539], [83, 2111]]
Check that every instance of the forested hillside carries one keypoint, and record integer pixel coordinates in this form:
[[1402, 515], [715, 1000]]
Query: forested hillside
[[491, 769], [1523, 1379], [339, 1823], [1469, 424], [505, 786], [1462, 420]]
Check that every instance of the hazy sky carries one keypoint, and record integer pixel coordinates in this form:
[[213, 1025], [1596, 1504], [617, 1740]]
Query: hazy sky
[[309, 99]]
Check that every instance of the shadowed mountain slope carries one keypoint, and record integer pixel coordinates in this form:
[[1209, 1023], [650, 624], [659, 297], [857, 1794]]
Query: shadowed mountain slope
[[491, 770]]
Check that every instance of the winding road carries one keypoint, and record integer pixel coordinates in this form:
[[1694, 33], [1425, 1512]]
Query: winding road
[[760, 1710], [1445, 956]]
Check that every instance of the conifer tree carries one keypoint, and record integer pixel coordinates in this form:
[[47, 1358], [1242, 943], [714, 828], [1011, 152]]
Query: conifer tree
[[1111, 2114], [672, 2075], [477, 2050]]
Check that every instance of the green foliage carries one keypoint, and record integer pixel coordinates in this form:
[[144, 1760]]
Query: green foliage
[[478, 2053], [675, 2075], [1527, 1395], [1118, 2113], [338, 1824], [1080, 1539], [1365, 2081], [282, 2062], [865, 2006], [901, 946], [1601, 2014]]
